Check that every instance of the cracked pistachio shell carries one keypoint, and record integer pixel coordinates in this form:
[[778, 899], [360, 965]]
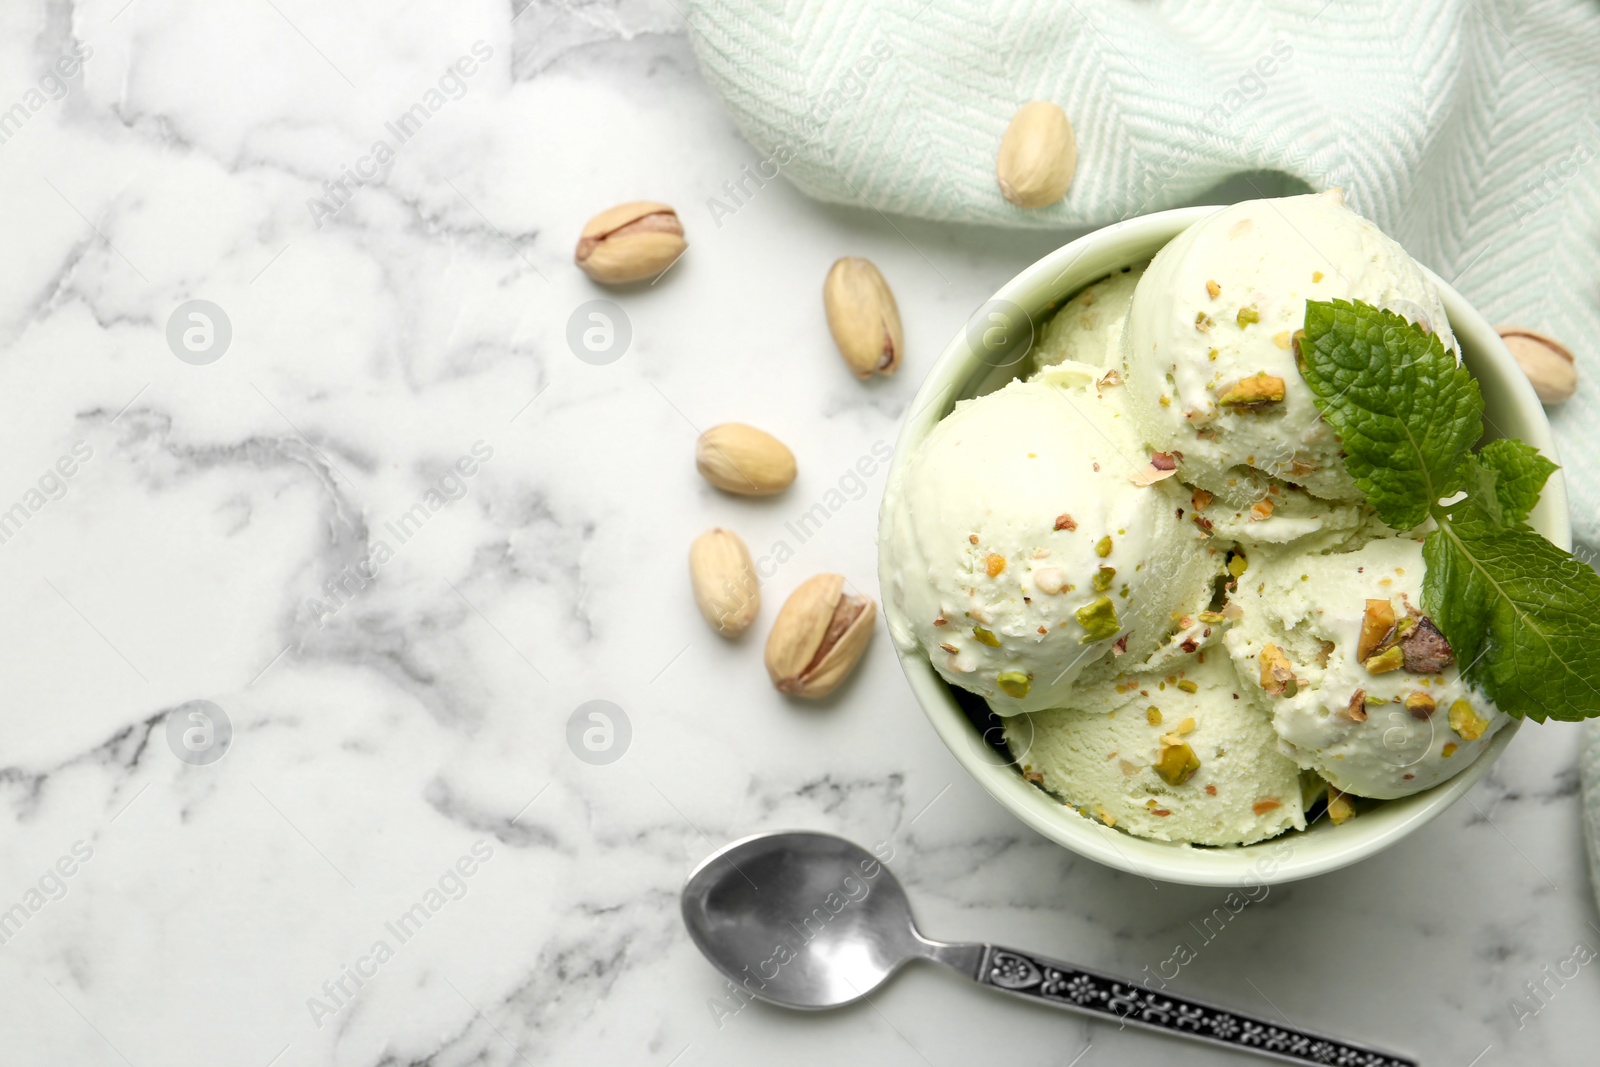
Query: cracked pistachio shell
[[863, 317], [724, 581], [818, 637], [1547, 362], [742, 459], [1038, 156], [630, 242]]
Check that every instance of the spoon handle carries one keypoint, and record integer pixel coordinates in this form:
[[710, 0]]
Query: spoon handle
[[1067, 986]]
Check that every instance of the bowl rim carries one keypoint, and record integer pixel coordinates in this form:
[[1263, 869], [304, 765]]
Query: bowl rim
[[1038, 290]]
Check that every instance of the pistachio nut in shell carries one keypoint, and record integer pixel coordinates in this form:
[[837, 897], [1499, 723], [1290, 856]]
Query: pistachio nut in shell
[[863, 317], [724, 581], [742, 459], [630, 242], [818, 637], [1038, 155], [1547, 362]]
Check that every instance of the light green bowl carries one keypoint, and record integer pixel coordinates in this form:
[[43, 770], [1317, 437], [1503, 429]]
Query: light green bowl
[[970, 365]]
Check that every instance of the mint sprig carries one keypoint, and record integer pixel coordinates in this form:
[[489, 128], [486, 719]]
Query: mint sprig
[[1522, 615]]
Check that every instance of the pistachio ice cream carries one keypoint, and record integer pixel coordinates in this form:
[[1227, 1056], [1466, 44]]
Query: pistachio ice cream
[[1088, 328], [1209, 344], [1151, 559], [1180, 756], [1360, 685], [1021, 545]]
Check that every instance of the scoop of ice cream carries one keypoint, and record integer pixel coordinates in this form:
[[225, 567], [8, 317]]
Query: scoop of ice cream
[[1022, 542], [1175, 757], [1286, 515], [1361, 686], [1088, 328], [1208, 347]]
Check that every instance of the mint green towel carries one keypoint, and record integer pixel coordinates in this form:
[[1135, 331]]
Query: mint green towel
[[1465, 128]]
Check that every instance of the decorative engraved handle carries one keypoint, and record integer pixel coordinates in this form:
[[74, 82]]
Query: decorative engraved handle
[[1129, 1002]]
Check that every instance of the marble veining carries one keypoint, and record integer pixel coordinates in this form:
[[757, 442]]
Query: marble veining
[[400, 533]]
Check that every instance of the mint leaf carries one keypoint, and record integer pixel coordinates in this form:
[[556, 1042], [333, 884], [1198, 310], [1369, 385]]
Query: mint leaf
[[1522, 615], [1519, 474], [1405, 412], [1480, 487]]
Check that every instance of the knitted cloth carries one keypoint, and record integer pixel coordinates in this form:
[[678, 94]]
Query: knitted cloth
[[1465, 128]]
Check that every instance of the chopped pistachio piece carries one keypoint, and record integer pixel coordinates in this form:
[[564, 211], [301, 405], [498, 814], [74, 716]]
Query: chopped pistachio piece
[[1102, 547], [1253, 393], [1187, 686], [1357, 708], [1339, 806], [1098, 619], [1152, 715], [1466, 722], [1377, 624], [1425, 649], [985, 637], [1420, 704], [1177, 763], [1246, 316], [1103, 578], [1390, 659], [1014, 683], [1237, 564], [1277, 673]]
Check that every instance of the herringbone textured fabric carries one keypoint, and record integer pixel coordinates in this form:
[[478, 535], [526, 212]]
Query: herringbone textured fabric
[[1466, 128]]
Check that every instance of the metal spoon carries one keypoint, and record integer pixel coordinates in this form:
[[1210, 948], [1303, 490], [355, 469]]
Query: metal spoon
[[808, 920]]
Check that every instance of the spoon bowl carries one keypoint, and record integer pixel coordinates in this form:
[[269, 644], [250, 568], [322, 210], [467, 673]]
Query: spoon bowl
[[804, 920]]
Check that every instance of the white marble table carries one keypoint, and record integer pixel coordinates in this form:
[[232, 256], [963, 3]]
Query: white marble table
[[398, 773]]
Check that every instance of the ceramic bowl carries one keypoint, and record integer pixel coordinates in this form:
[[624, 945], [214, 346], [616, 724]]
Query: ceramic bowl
[[989, 351]]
